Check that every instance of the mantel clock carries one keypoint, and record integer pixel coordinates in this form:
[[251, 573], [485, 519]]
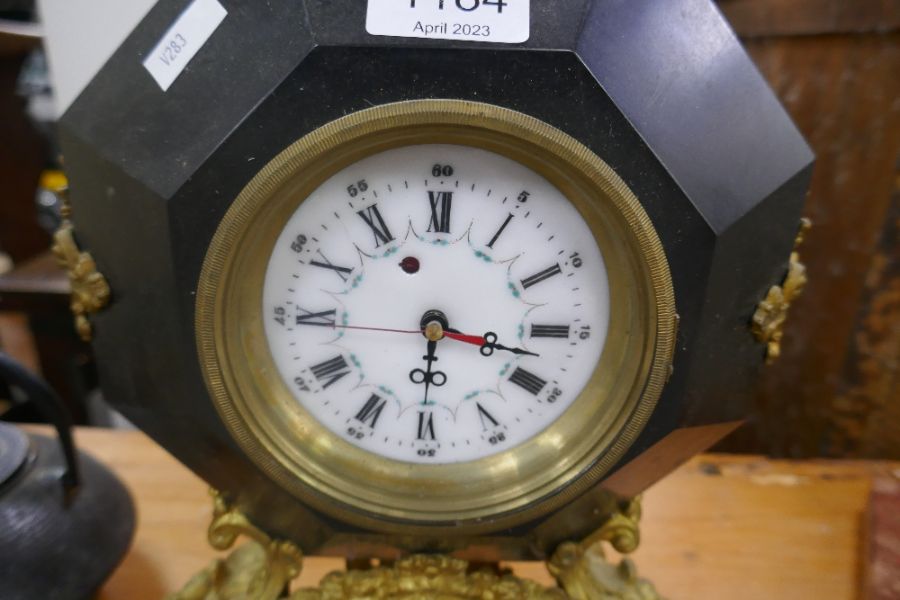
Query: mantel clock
[[430, 281]]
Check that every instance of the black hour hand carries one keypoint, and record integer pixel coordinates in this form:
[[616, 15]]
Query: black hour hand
[[490, 344]]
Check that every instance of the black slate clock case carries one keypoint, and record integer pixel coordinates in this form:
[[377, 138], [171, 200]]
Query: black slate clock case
[[662, 91]]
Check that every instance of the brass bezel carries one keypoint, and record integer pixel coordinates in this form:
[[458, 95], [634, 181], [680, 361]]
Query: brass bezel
[[511, 487]]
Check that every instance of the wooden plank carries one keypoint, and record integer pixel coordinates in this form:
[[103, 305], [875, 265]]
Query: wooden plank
[[747, 528], [41, 274], [867, 409], [842, 92], [721, 526], [36, 285], [882, 580], [770, 18]]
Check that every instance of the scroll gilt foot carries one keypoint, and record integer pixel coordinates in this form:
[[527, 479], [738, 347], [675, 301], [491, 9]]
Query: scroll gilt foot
[[260, 569], [584, 572]]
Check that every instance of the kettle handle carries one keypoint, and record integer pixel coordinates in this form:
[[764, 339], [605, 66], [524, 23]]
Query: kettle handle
[[51, 406]]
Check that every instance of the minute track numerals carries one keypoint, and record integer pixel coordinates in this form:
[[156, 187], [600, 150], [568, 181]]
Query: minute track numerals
[[496, 248], [365, 421], [493, 431]]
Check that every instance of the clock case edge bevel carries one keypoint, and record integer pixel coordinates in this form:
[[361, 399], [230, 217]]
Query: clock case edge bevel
[[138, 171]]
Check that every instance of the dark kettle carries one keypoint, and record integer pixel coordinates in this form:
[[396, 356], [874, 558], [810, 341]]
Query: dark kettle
[[66, 521]]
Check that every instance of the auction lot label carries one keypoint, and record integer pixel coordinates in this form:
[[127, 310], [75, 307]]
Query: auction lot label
[[182, 40], [504, 21]]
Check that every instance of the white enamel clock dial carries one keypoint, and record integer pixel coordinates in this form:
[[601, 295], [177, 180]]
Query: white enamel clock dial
[[444, 234]]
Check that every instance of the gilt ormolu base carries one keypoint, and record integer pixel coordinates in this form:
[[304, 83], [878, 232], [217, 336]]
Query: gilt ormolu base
[[262, 569]]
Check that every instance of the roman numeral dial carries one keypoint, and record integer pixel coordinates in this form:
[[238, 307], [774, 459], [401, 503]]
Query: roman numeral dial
[[426, 426], [499, 232], [527, 380], [375, 221], [541, 276], [435, 304], [371, 410], [324, 263], [323, 318], [440, 204], [487, 419], [331, 371], [549, 331]]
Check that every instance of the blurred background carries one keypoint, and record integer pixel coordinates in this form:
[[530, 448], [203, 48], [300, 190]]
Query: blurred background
[[834, 64]]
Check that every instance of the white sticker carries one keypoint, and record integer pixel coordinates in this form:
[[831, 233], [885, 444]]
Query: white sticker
[[183, 39], [505, 21]]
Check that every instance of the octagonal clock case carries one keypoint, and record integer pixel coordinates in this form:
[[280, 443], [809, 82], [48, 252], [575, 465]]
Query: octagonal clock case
[[395, 294]]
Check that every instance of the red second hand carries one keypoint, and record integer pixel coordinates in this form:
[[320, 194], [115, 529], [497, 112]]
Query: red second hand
[[377, 329], [475, 340]]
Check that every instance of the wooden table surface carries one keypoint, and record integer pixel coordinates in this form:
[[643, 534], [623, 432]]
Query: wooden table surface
[[36, 284], [720, 527]]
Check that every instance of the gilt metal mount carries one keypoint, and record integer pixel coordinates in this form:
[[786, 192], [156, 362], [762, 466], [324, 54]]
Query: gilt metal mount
[[260, 569], [771, 314], [427, 576], [90, 290], [583, 570], [263, 568]]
